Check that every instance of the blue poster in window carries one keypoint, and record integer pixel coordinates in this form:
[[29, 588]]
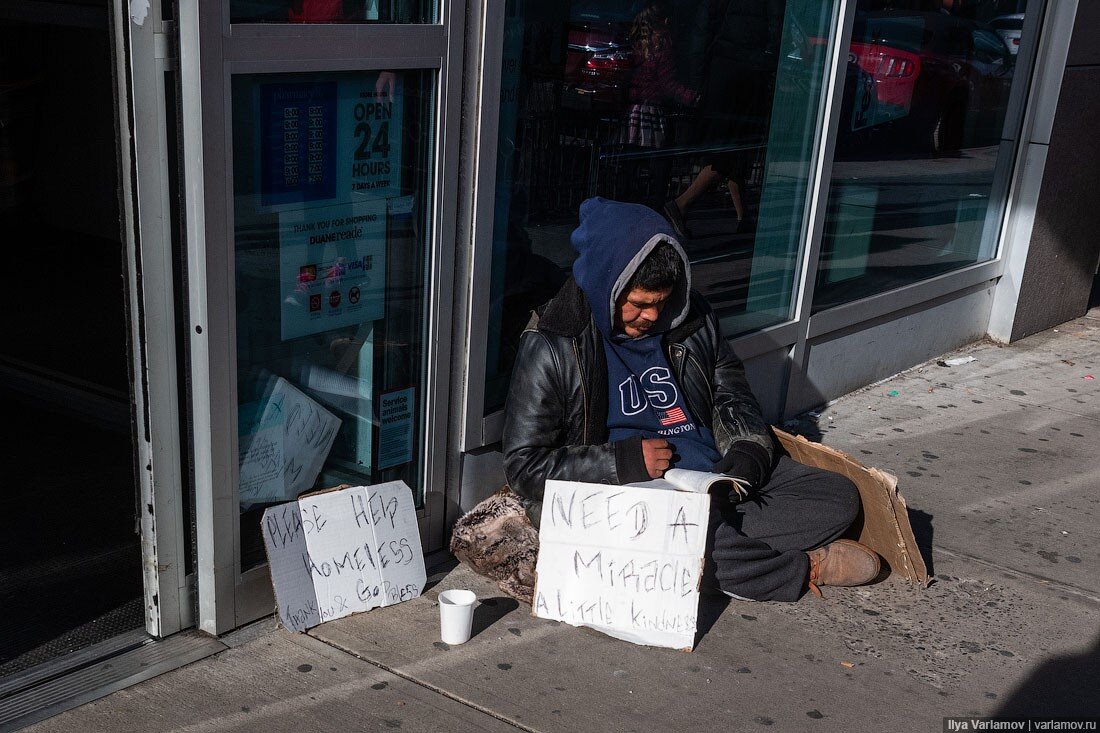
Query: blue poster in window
[[298, 140], [395, 427]]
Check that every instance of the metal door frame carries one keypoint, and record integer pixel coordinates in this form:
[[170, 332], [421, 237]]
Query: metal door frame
[[142, 57], [212, 50]]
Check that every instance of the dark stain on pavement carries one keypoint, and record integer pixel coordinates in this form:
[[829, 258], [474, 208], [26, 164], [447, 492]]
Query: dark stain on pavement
[[380, 685], [515, 632], [815, 714], [1047, 555], [505, 666], [441, 645], [305, 667], [1017, 392]]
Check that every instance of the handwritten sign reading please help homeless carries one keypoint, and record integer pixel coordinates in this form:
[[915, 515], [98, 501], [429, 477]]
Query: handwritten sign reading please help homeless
[[342, 551], [624, 561]]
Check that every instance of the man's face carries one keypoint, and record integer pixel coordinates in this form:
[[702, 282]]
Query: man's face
[[637, 311]]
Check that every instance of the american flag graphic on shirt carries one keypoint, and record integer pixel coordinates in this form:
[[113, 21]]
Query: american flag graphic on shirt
[[672, 417]]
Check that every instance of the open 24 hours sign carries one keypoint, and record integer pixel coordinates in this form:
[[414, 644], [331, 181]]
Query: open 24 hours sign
[[330, 141]]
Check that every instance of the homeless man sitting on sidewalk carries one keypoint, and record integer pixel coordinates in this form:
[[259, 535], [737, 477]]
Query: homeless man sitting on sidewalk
[[624, 374]]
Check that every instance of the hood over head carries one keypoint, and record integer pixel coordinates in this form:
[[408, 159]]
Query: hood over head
[[612, 241]]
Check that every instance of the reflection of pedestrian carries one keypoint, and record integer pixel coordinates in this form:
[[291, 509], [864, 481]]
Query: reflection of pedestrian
[[733, 58], [653, 81]]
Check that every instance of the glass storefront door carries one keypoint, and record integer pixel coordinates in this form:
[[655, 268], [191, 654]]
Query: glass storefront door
[[331, 200], [320, 290], [70, 560]]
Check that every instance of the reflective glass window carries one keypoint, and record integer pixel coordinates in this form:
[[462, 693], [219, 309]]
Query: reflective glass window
[[333, 11], [924, 145], [331, 182], [705, 110]]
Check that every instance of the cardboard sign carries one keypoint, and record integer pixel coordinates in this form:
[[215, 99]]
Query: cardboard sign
[[343, 551], [625, 561], [884, 526]]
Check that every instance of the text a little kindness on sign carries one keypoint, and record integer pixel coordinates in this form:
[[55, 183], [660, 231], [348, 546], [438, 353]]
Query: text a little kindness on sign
[[343, 551], [626, 561]]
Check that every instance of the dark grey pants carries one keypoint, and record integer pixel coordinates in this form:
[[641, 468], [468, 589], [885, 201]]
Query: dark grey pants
[[758, 547]]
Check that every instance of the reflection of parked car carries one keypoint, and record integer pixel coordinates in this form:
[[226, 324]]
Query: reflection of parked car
[[598, 62], [1009, 28], [934, 74], [598, 58]]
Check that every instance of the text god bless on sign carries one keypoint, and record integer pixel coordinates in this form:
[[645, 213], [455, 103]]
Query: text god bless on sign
[[343, 551]]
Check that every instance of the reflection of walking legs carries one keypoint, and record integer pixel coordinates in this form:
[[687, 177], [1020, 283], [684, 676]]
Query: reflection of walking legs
[[676, 209]]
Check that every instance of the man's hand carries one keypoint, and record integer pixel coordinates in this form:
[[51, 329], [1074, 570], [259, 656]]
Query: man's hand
[[658, 456]]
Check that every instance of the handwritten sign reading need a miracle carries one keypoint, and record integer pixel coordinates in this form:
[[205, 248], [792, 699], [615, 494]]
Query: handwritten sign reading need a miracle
[[342, 551], [623, 560]]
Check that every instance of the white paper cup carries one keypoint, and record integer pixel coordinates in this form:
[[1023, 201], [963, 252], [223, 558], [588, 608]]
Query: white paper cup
[[456, 615]]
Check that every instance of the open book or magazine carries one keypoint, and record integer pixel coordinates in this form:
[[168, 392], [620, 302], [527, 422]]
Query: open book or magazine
[[699, 482]]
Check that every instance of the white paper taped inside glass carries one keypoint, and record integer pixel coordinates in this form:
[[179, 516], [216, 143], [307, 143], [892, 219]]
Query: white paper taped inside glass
[[284, 440]]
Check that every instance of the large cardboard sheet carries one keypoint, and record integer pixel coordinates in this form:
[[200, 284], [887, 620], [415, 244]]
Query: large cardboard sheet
[[623, 560], [885, 524], [343, 551]]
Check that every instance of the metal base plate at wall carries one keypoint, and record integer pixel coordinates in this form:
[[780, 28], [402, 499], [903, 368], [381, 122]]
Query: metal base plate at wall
[[95, 672]]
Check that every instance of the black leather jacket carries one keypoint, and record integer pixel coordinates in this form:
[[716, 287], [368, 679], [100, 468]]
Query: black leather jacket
[[555, 421]]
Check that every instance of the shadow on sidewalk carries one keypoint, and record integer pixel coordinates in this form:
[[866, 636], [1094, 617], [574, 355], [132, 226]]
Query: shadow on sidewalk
[[711, 606], [1064, 685], [491, 610], [921, 522]]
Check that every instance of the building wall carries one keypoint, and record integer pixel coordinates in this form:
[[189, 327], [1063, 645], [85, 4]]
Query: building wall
[[1062, 257]]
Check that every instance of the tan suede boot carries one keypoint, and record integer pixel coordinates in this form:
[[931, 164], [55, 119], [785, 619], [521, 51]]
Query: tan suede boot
[[843, 562]]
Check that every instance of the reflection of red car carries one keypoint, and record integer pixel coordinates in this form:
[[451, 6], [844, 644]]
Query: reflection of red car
[[894, 72], [598, 61], [947, 76]]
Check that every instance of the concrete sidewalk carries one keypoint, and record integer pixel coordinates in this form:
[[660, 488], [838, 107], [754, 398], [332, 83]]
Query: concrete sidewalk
[[997, 459]]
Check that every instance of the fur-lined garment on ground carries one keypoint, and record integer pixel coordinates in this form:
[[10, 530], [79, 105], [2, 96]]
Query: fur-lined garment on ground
[[497, 540]]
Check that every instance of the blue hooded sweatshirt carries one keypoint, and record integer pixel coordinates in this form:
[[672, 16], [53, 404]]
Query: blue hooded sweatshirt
[[643, 398]]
